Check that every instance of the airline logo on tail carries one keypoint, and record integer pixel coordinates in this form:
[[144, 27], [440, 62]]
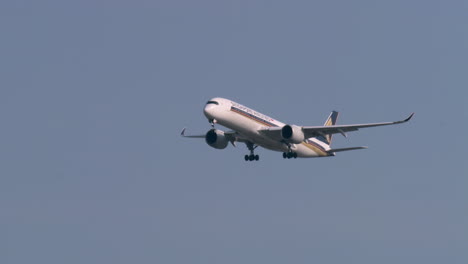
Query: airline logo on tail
[[331, 121]]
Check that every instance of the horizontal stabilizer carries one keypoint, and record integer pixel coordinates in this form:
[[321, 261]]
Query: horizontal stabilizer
[[344, 149]]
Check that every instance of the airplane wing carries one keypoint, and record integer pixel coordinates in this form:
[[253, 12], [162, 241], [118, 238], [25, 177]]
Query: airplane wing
[[231, 135], [315, 131], [191, 136]]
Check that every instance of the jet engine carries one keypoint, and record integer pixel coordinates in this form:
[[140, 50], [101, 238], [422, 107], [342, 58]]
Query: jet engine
[[292, 134], [216, 139]]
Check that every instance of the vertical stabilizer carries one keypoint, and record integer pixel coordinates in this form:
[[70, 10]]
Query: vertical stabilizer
[[331, 121]]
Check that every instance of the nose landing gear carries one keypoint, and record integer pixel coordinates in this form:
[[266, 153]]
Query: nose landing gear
[[212, 122]]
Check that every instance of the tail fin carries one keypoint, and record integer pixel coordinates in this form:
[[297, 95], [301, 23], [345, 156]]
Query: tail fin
[[331, 121]]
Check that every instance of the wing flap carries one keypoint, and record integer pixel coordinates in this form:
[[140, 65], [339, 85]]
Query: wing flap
[[233, 136]]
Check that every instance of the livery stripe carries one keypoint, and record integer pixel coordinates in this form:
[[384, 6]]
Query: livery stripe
[[315, 147], [253, 117]]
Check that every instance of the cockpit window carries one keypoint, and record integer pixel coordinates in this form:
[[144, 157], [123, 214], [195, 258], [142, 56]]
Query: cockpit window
[[212, 102]]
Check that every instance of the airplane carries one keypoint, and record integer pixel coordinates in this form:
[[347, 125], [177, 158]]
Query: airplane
[[256, 129]]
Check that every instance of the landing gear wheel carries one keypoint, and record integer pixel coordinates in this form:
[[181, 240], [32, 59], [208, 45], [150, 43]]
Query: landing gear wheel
[[289, 155], [252, 155]]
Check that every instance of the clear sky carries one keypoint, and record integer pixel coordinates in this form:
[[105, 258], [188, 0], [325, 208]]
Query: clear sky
[[93, 95]]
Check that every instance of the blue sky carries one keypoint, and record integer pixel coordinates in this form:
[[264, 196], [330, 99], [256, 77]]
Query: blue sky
[[93, 95]]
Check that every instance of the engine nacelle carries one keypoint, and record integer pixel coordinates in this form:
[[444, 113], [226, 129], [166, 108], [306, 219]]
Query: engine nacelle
[[292, 134], [216, 139]]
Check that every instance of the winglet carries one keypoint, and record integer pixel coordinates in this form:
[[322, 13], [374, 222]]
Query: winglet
[[408, 119], [183, 132]]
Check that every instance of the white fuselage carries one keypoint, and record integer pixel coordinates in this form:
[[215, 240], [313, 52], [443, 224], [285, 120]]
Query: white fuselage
[[248, 123]]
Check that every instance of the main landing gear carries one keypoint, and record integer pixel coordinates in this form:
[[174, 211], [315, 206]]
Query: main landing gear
[[252, 156], [289, 155]]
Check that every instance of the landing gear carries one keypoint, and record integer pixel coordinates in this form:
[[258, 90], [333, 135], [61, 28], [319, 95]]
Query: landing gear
[[289, 155], [252, 156], [212, 122]]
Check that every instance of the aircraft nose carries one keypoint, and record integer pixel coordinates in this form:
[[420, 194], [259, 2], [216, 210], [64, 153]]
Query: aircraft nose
[[208, 110]]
